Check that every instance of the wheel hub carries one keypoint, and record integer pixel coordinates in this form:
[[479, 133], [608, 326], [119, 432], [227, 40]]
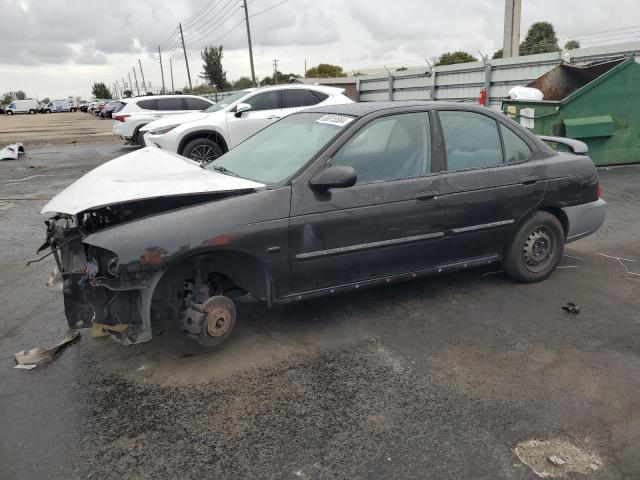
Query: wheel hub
[[538, 248], [204, 154], [217, 322]]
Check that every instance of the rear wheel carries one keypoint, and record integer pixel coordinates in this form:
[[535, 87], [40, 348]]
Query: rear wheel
[[203, 150], [536, 248], [9, 112], [32, 112]]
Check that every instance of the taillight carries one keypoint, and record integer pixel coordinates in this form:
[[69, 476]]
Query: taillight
[[599, 191], [120, 118]]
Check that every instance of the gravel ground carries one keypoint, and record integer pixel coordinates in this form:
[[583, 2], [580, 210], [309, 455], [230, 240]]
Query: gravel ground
[[439, 378]]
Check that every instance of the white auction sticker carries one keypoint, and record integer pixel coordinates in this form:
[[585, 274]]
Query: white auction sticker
[[337, 120]]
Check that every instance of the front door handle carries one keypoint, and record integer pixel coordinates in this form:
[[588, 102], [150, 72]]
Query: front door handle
[[429, 196], [273, 117], [530, 180]]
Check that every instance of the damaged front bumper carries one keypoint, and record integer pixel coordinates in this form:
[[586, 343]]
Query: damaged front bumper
[[94, 290]]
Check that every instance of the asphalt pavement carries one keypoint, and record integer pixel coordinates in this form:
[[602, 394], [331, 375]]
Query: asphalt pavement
[[443, 378]]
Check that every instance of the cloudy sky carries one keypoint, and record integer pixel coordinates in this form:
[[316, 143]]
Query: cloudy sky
[[58, 48]]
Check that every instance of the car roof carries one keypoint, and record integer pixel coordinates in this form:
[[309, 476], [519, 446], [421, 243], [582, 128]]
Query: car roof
[[147, 97], [289, 86], [364, 108]]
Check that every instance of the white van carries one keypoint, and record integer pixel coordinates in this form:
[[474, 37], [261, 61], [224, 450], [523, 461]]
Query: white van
[[22, 106]]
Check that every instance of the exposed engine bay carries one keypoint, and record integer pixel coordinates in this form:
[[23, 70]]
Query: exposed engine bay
[[95, 289]]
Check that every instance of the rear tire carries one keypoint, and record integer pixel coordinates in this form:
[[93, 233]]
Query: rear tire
[[9, 112], [203, 150], [32, 112], [536, 248]]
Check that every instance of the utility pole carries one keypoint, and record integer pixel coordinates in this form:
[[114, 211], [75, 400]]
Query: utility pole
[[186, 60], [144, 87], [275, 71], [161, 70], [173, 89], [130, 83], [135, 77], [305, 67], [511, 39], [124, 85], [246, 19]]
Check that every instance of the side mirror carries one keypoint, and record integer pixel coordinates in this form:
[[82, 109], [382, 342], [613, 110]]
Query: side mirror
[[338, 176], [242, 107]]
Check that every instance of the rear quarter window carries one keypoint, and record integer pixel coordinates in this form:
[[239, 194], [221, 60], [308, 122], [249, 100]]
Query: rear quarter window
[[515, 149]]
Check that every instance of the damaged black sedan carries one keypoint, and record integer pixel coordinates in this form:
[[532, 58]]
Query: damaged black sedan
[[324, 201]]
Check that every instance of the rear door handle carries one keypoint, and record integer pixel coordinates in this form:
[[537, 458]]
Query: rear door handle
[[273, 117], [427, 196], [530, 180]]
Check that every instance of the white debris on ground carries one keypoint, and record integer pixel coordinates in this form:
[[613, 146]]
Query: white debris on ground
[[11, 152], [556, 457]]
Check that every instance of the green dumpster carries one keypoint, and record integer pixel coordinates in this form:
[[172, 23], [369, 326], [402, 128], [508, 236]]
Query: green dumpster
[[597, 104]]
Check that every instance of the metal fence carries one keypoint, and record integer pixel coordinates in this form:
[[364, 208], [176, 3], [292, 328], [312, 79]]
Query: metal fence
[[463, 82]]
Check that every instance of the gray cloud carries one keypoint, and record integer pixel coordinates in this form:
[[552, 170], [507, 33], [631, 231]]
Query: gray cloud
[[110, 35]]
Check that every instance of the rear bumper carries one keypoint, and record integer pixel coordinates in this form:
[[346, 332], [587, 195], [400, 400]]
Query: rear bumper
[[585, 219]]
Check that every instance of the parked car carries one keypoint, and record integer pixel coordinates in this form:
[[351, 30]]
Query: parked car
[[112, 107], [2, 109], [328, 200], [23, 106], [92, 106], [139, 111], [83, 106], [204, 136]]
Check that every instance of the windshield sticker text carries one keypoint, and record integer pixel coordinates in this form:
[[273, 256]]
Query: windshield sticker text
[[336, 120]]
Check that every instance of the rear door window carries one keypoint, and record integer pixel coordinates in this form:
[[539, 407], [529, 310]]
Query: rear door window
[[151, 104], [515, 149], [301, 97], [170, 104], [471, 140], [265, 101]]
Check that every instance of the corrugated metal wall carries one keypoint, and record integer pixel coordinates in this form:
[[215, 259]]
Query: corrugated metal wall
[[463, 82]]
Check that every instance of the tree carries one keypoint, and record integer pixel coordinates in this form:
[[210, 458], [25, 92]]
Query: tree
[[6, 98], [127, 93], [242, 83], [572, 45], [325, 70], [20, 95], [541, 38], [203, 89], [46, 100], [498, 54], [212, 66], [281, 78], [451, 58], [100, 90]]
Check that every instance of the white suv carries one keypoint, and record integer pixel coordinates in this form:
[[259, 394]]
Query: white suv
[[206, 135], [139, 111]]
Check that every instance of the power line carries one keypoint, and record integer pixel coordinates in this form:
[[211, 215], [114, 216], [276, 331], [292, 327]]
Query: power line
[[193, 42], [215, 25]]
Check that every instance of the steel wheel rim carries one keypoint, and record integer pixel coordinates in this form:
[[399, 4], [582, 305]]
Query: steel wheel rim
[[204, 153], [538, 249]]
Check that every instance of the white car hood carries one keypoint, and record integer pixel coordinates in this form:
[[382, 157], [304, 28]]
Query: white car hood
[[174, 120], [143, 174]]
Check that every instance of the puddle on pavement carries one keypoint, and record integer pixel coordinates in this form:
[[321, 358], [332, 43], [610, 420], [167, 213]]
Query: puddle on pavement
[[535, 454]]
